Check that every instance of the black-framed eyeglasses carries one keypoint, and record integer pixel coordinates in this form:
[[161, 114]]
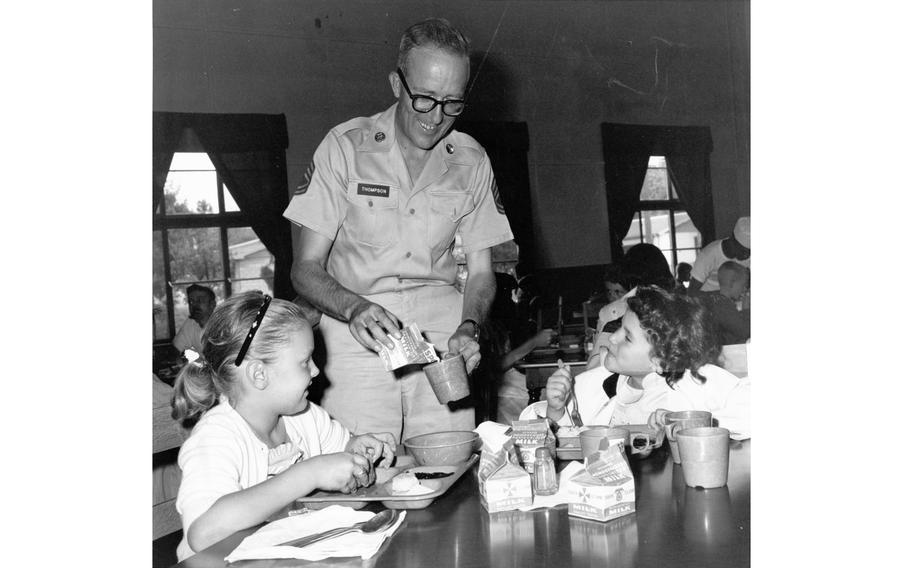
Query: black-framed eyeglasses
[[253, 328], [424, 103]]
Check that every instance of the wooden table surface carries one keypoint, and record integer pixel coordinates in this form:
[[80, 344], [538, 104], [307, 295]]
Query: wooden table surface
[[673, 525]]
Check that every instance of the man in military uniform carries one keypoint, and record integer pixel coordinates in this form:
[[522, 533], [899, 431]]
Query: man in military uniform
[[377, 214]]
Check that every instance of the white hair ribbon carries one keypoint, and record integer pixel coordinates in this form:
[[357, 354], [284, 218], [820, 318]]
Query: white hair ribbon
[[190, 355]]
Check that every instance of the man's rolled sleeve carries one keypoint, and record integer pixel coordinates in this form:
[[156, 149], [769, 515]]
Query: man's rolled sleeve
[[319, 203], [487, 225]]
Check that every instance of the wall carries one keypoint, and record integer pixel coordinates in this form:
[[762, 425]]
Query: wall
[[563, 67]]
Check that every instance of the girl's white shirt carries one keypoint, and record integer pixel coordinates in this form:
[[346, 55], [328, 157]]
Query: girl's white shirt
[[223, 455], [726, 396]]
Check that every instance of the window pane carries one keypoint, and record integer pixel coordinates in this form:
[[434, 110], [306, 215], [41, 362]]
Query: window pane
[[191, 192], [653, 162], [654, 230], [191, 161], [656, 184], [195, 255], [686, 255], [159, 294], [252, 265], [229, 203], [192, 184], [687, 236], [633, 237]]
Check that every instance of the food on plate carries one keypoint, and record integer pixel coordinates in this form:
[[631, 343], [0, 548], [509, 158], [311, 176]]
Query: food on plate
[[408, 484], [568, 436], [570, 431], [432, 474]]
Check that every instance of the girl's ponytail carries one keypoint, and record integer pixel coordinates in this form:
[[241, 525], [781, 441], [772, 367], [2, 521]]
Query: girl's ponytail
[[194, 390], [212, 373]]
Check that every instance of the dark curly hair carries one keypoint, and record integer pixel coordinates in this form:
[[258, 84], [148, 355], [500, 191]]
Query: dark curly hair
[[680, 330]]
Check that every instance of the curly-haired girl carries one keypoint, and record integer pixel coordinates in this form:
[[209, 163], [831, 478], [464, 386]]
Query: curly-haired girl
[[662, 357]]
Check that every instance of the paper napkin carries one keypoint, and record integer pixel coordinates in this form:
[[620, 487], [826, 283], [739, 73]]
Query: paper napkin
[[262, 543], [493, 434]]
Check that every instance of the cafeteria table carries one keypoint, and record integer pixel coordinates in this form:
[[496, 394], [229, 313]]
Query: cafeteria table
[[673, 525]]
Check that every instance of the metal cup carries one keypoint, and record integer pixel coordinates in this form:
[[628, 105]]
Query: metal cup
[[591, 439], [676, 421], [705, 454], [449, 378]]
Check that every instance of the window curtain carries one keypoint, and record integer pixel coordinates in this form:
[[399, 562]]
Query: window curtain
[[248, 152], [506, 143], [627, 148], [624, 176], [166, 132], [691, 175]]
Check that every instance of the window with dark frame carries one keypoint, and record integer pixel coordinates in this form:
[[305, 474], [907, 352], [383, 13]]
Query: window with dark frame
[[661, 218], [200, 236]]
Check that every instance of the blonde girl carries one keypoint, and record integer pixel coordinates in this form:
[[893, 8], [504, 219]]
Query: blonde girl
[[259, 443]]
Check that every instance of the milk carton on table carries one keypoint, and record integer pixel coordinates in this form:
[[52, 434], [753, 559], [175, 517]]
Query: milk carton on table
[[504, 485], [528, 435], [604, 489]]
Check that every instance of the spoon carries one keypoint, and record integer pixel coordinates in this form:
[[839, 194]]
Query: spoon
[[574, 417], [378, 522]]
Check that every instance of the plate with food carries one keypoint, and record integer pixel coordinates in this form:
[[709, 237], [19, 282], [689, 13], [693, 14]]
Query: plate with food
[[404, 486], [643, 441], [568, 446]]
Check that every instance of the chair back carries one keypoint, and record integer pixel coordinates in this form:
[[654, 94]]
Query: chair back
[[735, 358], [590, 311], [167, 434]]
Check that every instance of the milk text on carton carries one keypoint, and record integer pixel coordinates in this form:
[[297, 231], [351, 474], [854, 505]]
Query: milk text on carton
[[605, 489]]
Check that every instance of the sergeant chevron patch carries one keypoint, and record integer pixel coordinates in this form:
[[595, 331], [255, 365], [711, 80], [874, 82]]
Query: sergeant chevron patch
[[495, 189], [305, 183]]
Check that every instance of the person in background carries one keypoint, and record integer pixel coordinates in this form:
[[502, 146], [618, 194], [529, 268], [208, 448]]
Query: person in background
[[733, 324], [683, 276], [377, 215], [201, 300], [258, 444], [662, 358], [614, 287], [645, 265], [503, 330], [709, 259], [526, 298]]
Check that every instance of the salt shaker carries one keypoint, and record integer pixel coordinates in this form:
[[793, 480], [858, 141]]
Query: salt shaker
[[545, 480]]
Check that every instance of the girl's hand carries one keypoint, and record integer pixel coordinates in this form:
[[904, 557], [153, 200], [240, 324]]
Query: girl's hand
[[343, 472], [373, 446], [559, 385], [544, 337], [656, 419]]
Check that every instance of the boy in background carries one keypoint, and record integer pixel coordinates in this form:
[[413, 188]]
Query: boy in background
[[736, 248], [734, 325]]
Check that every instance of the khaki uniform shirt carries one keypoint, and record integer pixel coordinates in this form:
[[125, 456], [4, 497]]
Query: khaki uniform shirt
[[389, 234]]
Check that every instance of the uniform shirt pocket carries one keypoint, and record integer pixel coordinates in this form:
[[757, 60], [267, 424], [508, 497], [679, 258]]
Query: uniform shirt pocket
[[372, 216], [447, 208]]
